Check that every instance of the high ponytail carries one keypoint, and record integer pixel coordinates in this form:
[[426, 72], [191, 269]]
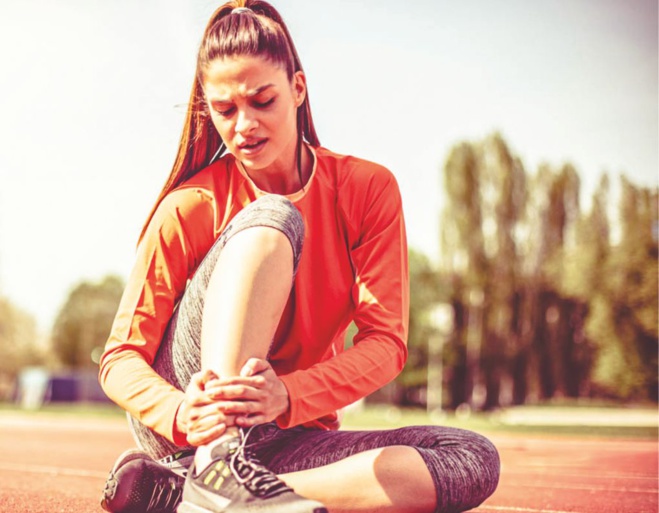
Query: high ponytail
[[258, 30]]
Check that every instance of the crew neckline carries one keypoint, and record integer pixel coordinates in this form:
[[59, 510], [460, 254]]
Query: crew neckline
[[294, 196]]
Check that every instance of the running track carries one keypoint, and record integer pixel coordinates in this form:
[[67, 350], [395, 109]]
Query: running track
[[58, 465]]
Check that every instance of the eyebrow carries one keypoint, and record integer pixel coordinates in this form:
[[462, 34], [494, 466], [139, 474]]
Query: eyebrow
[[250, 94]]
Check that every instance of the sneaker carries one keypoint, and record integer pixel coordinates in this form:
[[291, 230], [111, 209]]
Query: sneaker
[[140, 484], [179, 462], [236, 482]]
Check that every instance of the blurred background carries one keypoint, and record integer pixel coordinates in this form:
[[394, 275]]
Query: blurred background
[[524, 136]]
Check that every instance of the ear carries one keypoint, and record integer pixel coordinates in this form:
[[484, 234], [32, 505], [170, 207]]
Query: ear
[[299, 87]]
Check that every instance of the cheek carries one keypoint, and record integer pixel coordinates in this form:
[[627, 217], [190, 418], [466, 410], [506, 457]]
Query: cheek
[[222, 126], [285, 118]]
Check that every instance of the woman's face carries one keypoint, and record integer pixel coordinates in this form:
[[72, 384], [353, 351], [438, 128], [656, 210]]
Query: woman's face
[[253, 106]]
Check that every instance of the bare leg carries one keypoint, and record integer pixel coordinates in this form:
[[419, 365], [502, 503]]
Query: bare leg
[[246, 296], [387, 480]]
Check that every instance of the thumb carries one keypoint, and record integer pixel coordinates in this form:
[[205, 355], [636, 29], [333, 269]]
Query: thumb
[[254, 366], [206, 376]]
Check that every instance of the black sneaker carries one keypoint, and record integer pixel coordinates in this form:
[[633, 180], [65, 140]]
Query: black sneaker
[[235, 482], [140, 484]]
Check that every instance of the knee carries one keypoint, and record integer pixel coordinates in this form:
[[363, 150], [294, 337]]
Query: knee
[[465, 467], [278, 212], [274, 211], [482, 468]]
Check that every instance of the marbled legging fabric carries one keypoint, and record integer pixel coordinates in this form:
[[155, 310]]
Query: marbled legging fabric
[[464, 465]]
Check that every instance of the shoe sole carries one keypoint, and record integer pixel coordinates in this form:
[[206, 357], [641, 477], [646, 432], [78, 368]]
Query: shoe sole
[[127, 456], [188, 507], [124, 458]]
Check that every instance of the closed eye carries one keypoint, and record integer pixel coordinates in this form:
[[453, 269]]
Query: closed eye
[[225, 112], [263, 105]]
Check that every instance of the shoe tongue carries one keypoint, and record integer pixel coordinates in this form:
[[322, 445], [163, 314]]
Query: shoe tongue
[[225, 448]]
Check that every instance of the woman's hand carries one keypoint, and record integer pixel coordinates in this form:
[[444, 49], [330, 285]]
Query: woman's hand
[[255, 397], [199, 416]]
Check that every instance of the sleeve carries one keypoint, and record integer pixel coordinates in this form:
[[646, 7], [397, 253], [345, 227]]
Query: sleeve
[[166, 257], [381, 297]]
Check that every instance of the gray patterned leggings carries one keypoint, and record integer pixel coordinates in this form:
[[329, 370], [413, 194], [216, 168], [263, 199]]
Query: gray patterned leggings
[[464, 465]]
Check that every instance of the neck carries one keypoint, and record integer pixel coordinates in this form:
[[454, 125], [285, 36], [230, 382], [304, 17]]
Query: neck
[[283, 178]]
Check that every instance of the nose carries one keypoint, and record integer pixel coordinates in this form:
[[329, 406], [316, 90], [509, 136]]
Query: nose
[[245, 121]]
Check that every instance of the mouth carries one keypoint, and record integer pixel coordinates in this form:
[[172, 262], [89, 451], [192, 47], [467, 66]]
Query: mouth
[[252, 146]]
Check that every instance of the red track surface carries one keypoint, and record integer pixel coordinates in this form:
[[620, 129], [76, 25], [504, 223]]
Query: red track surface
[[59, 464]]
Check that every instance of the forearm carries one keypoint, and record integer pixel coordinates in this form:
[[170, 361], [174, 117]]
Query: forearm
[[129, 381], [342, 380]]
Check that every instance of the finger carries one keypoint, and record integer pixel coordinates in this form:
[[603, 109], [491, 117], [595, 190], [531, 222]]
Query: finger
[[201, 377], [198, 400], [255, 381], [207, 376], [198, 438], [254, 366], [250, 421], [233, 380], [204, 424], [210, 420], [237, 393], [201, 411], [240, 407], [195, 390]]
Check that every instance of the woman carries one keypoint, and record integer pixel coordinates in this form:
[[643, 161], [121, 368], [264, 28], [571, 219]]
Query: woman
[[249, 270]]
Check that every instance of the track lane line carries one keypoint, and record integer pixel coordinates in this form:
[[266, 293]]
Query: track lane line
[[55, 471], [550, 486], [521, 510]]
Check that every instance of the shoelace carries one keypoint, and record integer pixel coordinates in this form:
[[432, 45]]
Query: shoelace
[[165, 495], [257, 478]]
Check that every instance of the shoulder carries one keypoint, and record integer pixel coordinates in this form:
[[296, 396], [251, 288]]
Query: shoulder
[[198, 193], [351, 168], [190, 207], [359, 182]]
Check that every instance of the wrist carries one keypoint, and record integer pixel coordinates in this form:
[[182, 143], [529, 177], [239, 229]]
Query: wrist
[[284, 399], [180, 422]]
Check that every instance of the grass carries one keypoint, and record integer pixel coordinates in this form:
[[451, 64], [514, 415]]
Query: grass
[[389, 417], [93, 410]]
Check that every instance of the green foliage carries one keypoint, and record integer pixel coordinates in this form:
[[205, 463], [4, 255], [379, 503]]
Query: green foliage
[[18, 340], [425, 291], [84, 322], [623, 320], [546, 304]]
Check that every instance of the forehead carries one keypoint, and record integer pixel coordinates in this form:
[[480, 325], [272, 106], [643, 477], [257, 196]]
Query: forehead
[[227, 77]]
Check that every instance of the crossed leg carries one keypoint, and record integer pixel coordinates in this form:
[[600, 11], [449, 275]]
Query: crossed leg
[[246, 296]]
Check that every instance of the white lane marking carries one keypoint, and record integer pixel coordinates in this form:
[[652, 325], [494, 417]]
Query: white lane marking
[[55, 471], [51, 424], [601, 475], [521, 510], [588, 488]]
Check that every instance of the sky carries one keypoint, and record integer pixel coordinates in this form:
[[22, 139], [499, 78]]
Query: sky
[[91, 94]]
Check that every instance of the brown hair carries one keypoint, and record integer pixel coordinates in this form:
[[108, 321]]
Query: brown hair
[[257, 30]]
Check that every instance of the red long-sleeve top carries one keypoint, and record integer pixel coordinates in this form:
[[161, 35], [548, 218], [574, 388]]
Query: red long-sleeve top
[[353, 267]]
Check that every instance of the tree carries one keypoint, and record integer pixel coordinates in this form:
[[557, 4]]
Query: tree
[[577, 271], [83, 323], [18, 343], [553, 335], [425, 291], [503, 186], [623, 318], [545, 304], [486, 189], [464, 259]]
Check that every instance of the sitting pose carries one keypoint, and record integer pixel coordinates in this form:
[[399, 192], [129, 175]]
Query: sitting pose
[[227, 350]]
